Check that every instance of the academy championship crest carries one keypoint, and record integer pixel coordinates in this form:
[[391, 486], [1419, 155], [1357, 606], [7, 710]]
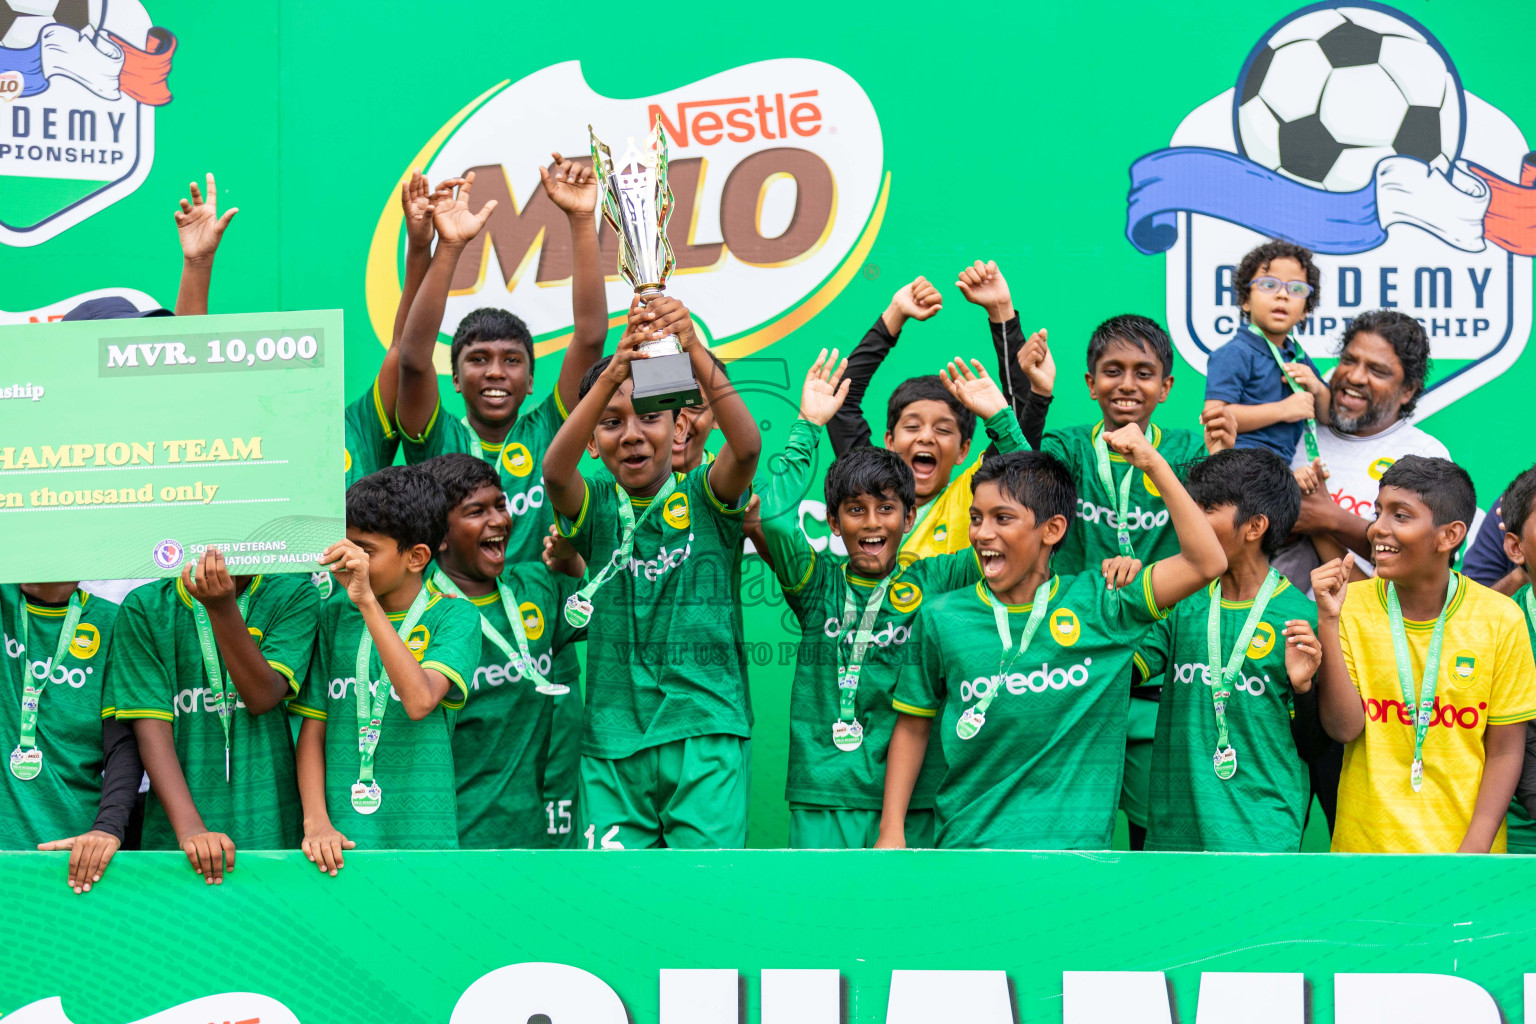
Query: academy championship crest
[[1349, 131], [79, 84]]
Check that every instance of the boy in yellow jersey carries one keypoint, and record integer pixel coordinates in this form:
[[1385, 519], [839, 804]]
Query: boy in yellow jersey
[[1519, 526], [926, 425], [1427, 677]]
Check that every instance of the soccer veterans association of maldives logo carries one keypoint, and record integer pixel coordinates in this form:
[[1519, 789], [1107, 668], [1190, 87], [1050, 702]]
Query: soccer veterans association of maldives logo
[[777, 173], [79, 84], [1349, 131]]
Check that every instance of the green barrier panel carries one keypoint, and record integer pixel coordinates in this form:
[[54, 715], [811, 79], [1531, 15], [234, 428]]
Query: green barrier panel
[[430, 938]]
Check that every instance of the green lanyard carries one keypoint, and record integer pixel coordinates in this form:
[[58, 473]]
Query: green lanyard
[[973, 719], [522, 657], [222, 690], [848, 731], [474, 441], [1530, 605], [1309, 428], [1222, 677], [578, 607], [1431, 677], [1107, 478], [27, 759], [366, 795]]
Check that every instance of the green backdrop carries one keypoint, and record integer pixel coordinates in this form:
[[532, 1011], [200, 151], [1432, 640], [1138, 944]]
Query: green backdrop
[[1007, 134]]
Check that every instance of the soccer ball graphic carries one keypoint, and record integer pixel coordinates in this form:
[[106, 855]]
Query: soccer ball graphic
[[22, 20], [1333, 91]]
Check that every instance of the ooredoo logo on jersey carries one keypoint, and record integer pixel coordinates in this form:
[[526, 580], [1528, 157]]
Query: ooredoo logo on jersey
[[80, 81], [776, 168], [1349, 130]]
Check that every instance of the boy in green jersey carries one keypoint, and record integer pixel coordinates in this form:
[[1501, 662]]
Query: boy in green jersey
[[1130, 373], [663, 760], [371, 773], [202, 665], [492, 356], [1517, 512], [1028, 672], [1226, 774], [856, 616], [74, 770], [509, 760]]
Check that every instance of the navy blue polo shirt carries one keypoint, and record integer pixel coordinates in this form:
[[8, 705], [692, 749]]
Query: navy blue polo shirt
[[1243, 372]]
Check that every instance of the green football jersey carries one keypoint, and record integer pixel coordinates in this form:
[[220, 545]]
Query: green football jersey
[[63, 799], [664, 645], [1519, 826], [413, 763], [157, 672], [1044, 772], [519, 459], [370, 434], [816, 586], [1092, 538], [506, 744], [1263, 807]]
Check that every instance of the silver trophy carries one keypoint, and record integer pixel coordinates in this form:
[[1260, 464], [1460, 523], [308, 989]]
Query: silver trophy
[[637, 201]]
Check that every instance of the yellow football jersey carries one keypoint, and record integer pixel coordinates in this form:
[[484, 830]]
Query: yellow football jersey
[[945, 525], [1487, 677]]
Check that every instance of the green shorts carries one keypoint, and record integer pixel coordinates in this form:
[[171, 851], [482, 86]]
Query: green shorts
[[689, 794], [1136, 786], [560, 773], [841, 828]]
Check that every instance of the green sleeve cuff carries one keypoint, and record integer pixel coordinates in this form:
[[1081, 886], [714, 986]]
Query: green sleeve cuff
[[1004, 430]]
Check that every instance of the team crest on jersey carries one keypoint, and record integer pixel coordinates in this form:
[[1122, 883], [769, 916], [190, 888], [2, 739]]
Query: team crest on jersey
[[905, 597], [1065, 628], [417, 642], [323, 582], [346, 464], [533, 620], [1379, 468], [1463, 669], [256, 634], [1349, 131], [80, 81], [675, 511], [1146, 481], [86, 643], [1263, 641], [517, 459]]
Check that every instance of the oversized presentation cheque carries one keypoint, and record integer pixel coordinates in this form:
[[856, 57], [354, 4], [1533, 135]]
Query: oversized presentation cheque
[[129, 446]]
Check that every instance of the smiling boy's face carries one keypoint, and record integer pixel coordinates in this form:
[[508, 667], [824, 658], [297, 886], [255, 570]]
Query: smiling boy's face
[[927, 437], [476, 543], [1404, 538], [636, 447], [494, 377], [872, 528], [1129, 383], [1008, 541]]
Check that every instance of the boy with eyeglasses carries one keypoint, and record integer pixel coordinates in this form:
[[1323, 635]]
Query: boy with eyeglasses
[[1262, 376]]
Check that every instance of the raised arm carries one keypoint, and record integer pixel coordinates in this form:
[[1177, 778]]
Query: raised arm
[[416, 203], [916, 301], [573, 187], [201, 229], [456, 226], [261, 687], [1200, 559], [731, 473], [1338, 702], [562, 459]]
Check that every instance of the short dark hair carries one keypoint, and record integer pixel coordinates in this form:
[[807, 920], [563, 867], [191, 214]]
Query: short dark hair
[[404, 503], [1441, 484], [878, 472], [1134, 330], [460, 476], [1408, 340], [927, 389], [1255, 481], [1041, 483], [1257, 259], [589, 380], [490, 324], [1519, 502]]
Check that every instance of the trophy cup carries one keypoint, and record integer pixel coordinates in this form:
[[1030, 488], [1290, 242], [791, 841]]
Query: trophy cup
[[637, 201]]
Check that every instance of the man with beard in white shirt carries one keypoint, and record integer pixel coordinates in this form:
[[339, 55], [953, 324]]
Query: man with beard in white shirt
[[1383, 361]]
